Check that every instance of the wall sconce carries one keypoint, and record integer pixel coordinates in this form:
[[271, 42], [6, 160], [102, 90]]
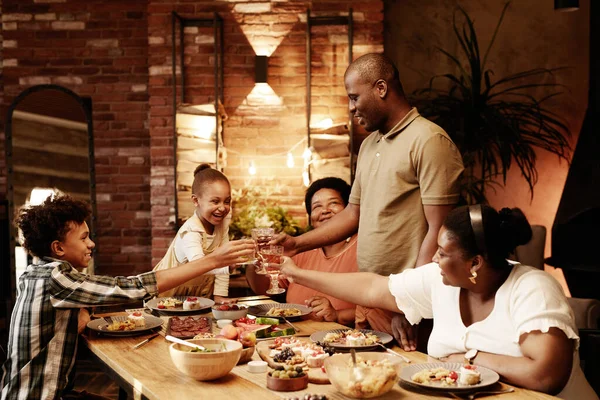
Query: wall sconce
[[252, 168], [261, 64], [566, 5]]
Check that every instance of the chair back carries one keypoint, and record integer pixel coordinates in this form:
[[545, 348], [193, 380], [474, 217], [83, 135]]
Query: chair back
[[586, 311], [532, 253]]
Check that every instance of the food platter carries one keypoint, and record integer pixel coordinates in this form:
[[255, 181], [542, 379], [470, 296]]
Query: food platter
[[205, 305], [262, 310], [316, 374], [100, 325], [187, 327], [384, 339], [488, 377]]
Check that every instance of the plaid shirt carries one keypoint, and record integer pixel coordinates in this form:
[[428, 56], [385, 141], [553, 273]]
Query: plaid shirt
[[43, 329]]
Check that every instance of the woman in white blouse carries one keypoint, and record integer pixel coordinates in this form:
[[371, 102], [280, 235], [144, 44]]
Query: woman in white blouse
[[513, 318]]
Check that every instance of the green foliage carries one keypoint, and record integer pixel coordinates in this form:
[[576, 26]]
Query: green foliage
[[253, 209], [493, 124]]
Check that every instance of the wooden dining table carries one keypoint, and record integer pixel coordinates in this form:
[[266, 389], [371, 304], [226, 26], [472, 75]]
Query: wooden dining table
[[148, 373]]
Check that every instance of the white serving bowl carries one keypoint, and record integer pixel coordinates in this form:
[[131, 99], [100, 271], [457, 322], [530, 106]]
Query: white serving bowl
[[231, 314], [206, 366]]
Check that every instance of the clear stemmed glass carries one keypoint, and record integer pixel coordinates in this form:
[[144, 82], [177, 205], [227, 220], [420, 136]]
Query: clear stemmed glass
[[262, 237], [273, 257], [249, 259]]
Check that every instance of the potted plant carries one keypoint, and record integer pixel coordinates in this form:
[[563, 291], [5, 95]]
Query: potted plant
[[252, 209], [493, 123]]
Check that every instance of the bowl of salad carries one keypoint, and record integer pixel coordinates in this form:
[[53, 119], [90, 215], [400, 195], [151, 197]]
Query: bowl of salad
[[219, 358]]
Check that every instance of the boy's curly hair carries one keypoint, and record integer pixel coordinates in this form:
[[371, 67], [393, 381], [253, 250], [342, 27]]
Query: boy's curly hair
[[49, 221]]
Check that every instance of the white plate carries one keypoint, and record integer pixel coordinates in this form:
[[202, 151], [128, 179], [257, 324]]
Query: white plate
[[384, 339], [261, 310], [100, 325], [488, 377], [204, 305]]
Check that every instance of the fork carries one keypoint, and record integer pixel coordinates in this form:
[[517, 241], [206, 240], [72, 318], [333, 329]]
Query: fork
[[357, 372], [471, 396], [108, 320], [406, 360]]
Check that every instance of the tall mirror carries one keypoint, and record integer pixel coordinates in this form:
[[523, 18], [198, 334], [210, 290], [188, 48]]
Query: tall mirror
[[49, 150]]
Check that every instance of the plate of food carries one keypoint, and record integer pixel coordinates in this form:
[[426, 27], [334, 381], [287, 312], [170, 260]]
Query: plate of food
[[134, 324], [283, 353], [346, 339], [448, 376], [185, 305], [188, 327], [276, 310]]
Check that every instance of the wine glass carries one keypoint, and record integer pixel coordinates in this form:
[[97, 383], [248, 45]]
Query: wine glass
[[249, 259], [262, 237], [273, 257]]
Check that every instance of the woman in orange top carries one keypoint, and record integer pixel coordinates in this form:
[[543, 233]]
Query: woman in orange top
[[324, 198]]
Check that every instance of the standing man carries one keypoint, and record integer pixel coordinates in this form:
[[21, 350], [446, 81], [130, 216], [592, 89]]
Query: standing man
[[406, 182]]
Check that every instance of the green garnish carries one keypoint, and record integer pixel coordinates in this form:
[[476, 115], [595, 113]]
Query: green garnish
[[199, 350]]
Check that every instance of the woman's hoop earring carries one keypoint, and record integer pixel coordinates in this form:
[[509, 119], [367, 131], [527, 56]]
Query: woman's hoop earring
[[473, 277]]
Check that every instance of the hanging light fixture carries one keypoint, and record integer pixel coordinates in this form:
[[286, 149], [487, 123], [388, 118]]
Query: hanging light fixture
[[566, 5]]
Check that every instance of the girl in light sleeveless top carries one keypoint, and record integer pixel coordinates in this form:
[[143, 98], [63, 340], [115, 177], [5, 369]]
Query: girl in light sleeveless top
[[206, 230]]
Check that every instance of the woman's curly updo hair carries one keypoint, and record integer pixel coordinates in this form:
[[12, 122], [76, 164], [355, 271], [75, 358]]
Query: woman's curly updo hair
[[333, 183], [503, 232], [204, 174], [43, 224]]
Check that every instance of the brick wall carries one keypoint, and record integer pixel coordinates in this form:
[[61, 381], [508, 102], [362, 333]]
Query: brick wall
[[119, 54], [263, 120], [97, 49]]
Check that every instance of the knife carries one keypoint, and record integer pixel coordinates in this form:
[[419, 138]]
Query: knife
[[143, 342], [252, 298]]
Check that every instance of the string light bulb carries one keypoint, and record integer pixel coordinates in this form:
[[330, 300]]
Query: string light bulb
[[290, 160], [305, 178], [307, 154], [252, 168]]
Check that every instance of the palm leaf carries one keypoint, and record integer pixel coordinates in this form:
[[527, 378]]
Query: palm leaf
[[487, 52], [494, 124]]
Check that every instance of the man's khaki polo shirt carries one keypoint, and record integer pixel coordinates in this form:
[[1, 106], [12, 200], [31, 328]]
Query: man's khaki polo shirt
[[414, 164]]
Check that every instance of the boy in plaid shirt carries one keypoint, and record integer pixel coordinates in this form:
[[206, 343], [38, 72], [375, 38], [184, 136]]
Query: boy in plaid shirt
[[50, 309]]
